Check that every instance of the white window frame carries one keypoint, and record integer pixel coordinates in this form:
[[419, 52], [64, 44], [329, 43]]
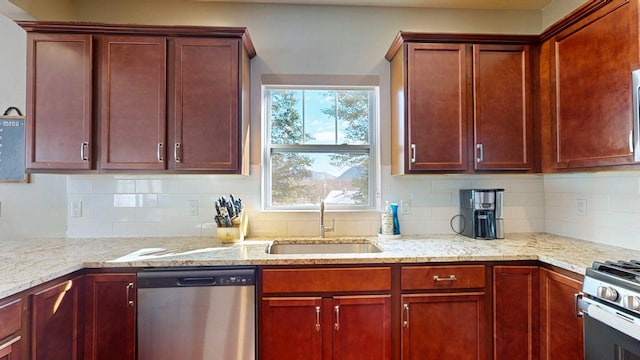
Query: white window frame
[[372, 147]]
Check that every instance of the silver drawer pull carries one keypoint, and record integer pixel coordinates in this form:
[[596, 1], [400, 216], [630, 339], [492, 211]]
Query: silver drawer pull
[[406, 320], [317, 318], [480, 157], [450, 278], [413, 153], [129, 292], [176, 152], [83, 151], [337, 324], [160, 152]]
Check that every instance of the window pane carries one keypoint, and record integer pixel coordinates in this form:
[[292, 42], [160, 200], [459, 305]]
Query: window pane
[[303, 179], [319, 117], [287, 126]]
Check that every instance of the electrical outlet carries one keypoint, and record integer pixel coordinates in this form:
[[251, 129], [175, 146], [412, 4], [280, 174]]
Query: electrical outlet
[[405, 207], [581, 207], [193, 207], [76, 209]]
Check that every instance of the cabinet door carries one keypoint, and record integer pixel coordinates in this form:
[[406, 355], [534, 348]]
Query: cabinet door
[[132, 101], [591, 61], [292, 328], [11, 349], [515, 312], [560, 328], [444, 326], [437, 107], [502, 107], [204, 113], [55, 319], [59, 98], [361, 327], [110, 325]]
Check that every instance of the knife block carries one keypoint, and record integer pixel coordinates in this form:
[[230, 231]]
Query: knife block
[[237, 232]]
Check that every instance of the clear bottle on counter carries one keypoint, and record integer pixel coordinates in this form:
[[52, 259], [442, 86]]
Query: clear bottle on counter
[[386, 220]]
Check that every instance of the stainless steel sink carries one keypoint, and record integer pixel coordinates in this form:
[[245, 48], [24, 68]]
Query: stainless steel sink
[[322, 246]]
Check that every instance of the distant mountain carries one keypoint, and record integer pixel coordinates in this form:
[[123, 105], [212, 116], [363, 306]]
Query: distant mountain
[[321, 176], [356, 172]]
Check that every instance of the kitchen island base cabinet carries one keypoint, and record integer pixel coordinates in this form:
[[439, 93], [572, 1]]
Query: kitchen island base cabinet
[[56, 320], [560, 327], [110, 326]]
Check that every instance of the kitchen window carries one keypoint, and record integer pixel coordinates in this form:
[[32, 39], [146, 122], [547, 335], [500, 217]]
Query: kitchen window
[[319, 145]]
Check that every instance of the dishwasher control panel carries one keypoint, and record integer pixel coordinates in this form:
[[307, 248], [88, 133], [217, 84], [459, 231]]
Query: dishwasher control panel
[[154, 278]]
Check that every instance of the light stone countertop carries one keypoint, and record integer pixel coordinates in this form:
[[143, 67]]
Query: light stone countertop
[[30, 262]]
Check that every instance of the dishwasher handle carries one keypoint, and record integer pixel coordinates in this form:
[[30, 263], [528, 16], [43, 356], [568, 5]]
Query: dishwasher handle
[[197, 281]]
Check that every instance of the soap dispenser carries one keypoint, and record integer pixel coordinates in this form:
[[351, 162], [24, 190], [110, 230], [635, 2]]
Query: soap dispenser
[[386, 220]]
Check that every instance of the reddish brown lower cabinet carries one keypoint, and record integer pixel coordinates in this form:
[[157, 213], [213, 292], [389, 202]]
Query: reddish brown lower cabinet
[[56, 318], [443, 326], [516, 312], [338, 328], [10, 350], [560, 327], [10, 330], [288, 321], [328, 313], [110, 326]]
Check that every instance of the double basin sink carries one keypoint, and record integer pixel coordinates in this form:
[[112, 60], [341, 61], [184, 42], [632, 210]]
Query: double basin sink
[[322, 246]]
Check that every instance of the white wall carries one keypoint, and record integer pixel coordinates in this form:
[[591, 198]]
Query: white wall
[[613, 207], [301, 40], [37, 208]]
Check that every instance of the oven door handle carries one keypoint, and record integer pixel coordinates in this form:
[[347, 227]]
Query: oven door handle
[[621, 322]]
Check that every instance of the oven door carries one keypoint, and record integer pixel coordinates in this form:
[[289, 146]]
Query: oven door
[[609, 333]]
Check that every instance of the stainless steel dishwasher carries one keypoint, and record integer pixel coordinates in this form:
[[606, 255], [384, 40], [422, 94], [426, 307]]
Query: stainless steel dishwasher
[[197, 313]]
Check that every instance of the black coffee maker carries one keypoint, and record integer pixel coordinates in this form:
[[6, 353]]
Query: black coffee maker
[[481, 213]]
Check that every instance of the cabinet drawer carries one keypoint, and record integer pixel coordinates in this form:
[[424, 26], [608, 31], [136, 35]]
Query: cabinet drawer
[[326, 280], [443, 277], [10, 318]]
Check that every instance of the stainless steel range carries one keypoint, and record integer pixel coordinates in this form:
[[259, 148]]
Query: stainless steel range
[[610, 305]]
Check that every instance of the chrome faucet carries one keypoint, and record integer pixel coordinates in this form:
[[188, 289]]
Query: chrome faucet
[[323, 228]]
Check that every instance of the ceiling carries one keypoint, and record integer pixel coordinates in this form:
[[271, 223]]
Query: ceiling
[[462, 4]]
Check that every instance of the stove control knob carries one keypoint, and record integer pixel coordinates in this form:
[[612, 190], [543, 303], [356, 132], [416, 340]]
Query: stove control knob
[[607, 293], [631, 302]]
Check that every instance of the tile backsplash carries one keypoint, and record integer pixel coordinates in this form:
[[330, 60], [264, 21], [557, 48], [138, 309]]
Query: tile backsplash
[[115, 205]]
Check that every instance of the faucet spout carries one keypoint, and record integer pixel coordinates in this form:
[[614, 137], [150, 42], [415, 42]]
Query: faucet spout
[[325, 229]]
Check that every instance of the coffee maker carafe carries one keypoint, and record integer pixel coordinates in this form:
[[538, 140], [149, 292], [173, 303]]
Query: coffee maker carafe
[[481, 212]]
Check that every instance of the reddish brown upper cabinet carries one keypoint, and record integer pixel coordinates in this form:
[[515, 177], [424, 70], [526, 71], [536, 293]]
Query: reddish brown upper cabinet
[[459, 107], [132, 102], [502, 107], [56, 321], [586, 68], [59, 102], [429, 108], [110, 324], [560, 327], [167, 98], [516, 320], [207, 81]]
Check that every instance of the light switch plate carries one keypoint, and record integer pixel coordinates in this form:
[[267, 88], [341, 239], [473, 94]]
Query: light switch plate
[[193, 207]]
